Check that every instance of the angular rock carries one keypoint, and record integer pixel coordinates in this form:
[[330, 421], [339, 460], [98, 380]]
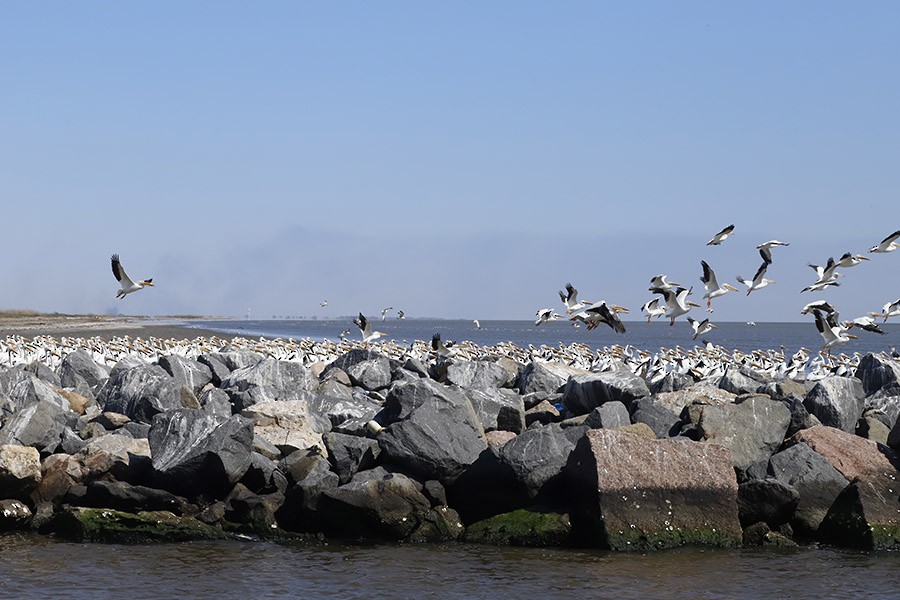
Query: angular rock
[[14, 515], [537, 458], [20, 471], [583, 393], [498, 408], [741, 381], [660, 419], [140, 392], [365, 368], [543, 413], [40, 425], [478, 375], [767, 500], [547, 377], [439, 524], [609, 416], [676, 402], [817, 482], [884, 405], [433, 431], [187, 372], [374, 505], [255, 512], [311, 475], [125, 497], [837, 402], [78, 366], [753, 428], [123, 457], [287, 424], [194, 453], [636, 494], [269, 380], [877, 372], [350, 454], [522, 528], [336, 404], [110, 526]]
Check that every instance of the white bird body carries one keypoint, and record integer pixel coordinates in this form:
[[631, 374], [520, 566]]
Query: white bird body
[[759, 280], [677, 303], [720, 237], [600, 312], [365, 327], [570, 299], [891, 309], [833, 333], [888, 244], [827, 276], [700, 327], [713, 289], [384, 312], [850, 260], [545, 315], [127, 286], [659, 282], [652, 309]]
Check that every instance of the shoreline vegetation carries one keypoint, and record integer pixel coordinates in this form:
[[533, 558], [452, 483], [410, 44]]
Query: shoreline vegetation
[[218, 436]]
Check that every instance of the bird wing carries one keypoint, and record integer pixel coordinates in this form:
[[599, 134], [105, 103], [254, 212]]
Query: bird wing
[[760, 273], [891, 238], [119, 272], [766, 255], [709, 277]]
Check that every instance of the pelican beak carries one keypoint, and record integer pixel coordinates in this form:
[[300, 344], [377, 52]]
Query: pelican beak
[[147, 282], [730, 287], [852, 337], [620, 309], [693, 304], [864, 257]]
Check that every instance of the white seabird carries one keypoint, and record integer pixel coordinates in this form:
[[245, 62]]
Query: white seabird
[[652, 309], [545, 315], [720, 237], [477, 323], [700, 327], [384, 312], [891, 309], [401, 314], [713, 289], [659, 282], [600, 312], [888, 244], [323, 303], [676, 302], [833, 333], [851, 260], [827, 276], [570, 299], [441, 350], [365, 327], [127, 286], [759, 280], [765, 249]]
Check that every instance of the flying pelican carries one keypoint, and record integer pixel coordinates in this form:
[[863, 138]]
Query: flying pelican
[[827, 276], [127, 285], [866, 322], [891, 309], [545, 315], [765, 249], [600, 312], [323, 303], [818, 305], [720, 237], [888, 244], [700, 327], [850, 260], [401, 314], [570, 299], [384, 312], [713, 289], [365, 327], [759, 280], [441, 350], [653, 309], [660, 282], [676, 302], [833, 333], [477, 324]]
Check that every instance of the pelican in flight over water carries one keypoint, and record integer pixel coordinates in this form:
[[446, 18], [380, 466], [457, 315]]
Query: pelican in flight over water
[[700, 327], [653, 309], [676, 302], [888, 244], [833, 333], [127, 285], [545, 315], [851, 260], [713, 289], [660, 282], [720, 237], [600, 312], [570, 299], [765, 249], [759, 280], [365, 327]]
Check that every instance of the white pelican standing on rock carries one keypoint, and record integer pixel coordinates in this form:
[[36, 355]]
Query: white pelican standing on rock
[[600, 312], [365, 327], [700, 327], [720, 237], [127, 285], [888, 244], [545, 315], [759, 280], [676, 302], [713, 289]]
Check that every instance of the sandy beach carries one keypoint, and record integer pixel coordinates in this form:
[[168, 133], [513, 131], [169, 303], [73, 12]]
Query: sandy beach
[[106, 327]]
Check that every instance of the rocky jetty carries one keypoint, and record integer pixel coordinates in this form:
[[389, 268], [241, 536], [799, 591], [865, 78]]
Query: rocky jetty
[[487, 449]]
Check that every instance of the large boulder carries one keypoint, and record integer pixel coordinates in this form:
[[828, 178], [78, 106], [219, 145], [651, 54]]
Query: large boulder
[[24, 389], [741, 380], [837, 402], [268, 380], [547, 377], [697, 394], [868, 514], [817, 482], [77, 367], [140, 391], [374, 505], [367, 369], [20, 471], [350, 454], [583, 393], [501, 408], [537, 458], [187, 372], [638, 494], [753, 427], [288, 424], [434, 432], [877, 372], [40, 425], [195, 453], [655, 415], [609, 416], [478, 374], [121, 456]]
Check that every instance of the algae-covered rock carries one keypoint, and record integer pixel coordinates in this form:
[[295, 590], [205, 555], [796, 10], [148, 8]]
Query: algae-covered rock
[[111, 526], [522, 528]]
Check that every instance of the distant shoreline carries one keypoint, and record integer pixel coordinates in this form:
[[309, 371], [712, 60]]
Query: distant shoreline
[[32, 324]]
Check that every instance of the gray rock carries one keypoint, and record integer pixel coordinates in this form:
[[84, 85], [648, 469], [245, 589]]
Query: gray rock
[[753, 428], [119, 456], [44, 373], [767, 500], [660, 419], [14, 515], [120, 495], [583, 393], [337, 405], [365, 368], [817, 482], [877, 372], [268, 380], [311, 476], [609, 416], [670, 382], [537, 458], [837, 402], [785, 390], [288, 424], [350, 454], [23, 389], [547, 377], [218, 370], [255, 512], [20, 471], [498, 408], [542, 413], [478, 375], [194, 453], [741, 381], [78, 366], [140, 391], [695, 394], [39, 425], [884, 405], [433, 431], [376, 505], [188, 372], [216, 402], [637, 494]]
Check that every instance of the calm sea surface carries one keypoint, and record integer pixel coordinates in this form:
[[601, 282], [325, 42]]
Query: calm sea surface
[[651, 337], [39, 567]]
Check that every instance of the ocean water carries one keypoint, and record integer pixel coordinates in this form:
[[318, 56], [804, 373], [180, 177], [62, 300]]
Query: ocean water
[[32, 566], [640, 334]]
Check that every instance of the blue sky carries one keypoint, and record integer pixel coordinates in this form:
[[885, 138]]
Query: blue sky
[[454, 159]]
